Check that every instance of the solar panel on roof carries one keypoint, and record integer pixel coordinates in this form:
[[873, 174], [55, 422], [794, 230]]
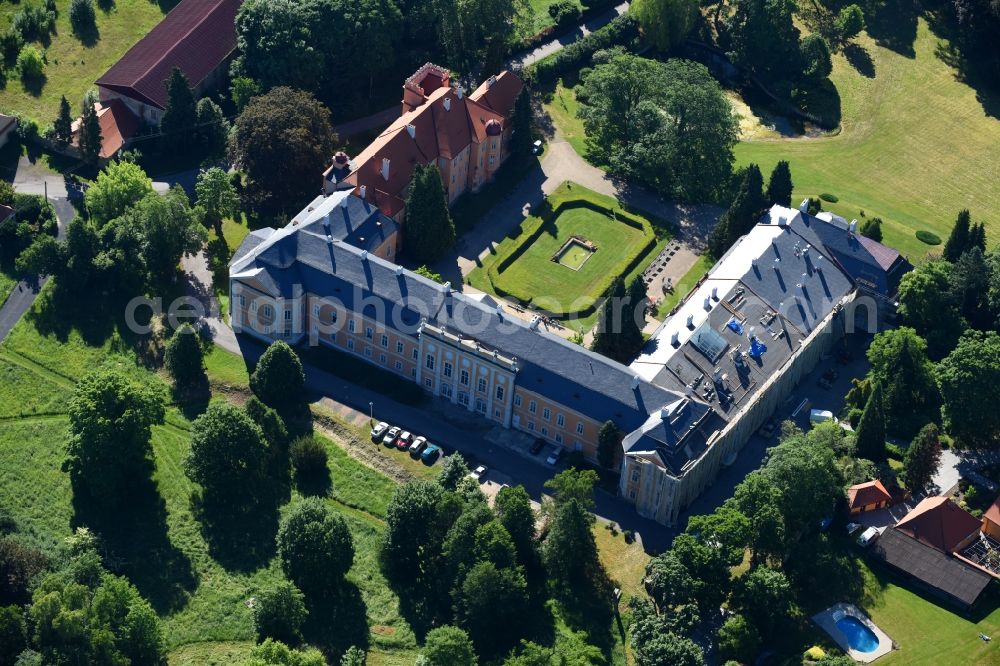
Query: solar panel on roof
[[708, 341]]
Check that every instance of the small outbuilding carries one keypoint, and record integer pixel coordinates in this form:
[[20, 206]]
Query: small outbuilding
[[870, 496]]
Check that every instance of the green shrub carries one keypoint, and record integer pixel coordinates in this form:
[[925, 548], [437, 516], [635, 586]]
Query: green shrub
[[10, 44], [928, 237], [894, 451], [309, 457], [82, 16], [832, 198], [621, 31], [564, 12], [30, 64]]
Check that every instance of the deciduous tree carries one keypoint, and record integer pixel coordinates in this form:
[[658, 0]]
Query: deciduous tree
[[765, 596], [925, 304], [281, 140], [118, 187], [665, 23], [279, 612], [969, 379], [900, 365], [211, 127], [449, 646], [217, 197], [278, 380], [184, 357], [315, 547]]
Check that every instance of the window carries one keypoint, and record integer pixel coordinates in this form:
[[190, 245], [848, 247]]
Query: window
[[531, 426], [399, 347], [496, 413], [350, 325], [267, 313], [635, 475], [369, 332], [560, 420], [446, 390], [399, 365], [368, 352], [416, 354], [350, 344], [413, 373], [447, 369], [480, 405], [464, 378], [381, 359], [517, 399], [428, 382], [463, 398], [288, 315], [430, 362], [559, 438], [315, 309], [482, 385], [631, 494], [288, 331], [333, 316], [385, 341], [499, 393], [243, 300], [579, 427], [545, 432], [532, 406], [253, 307], [546, 413]]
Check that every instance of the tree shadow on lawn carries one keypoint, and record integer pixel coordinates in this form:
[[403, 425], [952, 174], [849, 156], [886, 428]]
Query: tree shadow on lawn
[[241, 541], [893, 25], [860, 60], [826, 570], [137, 545], [337, 621]]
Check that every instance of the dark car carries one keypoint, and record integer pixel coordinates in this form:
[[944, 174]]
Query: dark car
[[431, 453], [537, 446]]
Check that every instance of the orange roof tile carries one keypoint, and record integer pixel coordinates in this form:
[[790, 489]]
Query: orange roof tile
[[118, 125], [939, 523], [864, 494], [993, 513], [499, 93]]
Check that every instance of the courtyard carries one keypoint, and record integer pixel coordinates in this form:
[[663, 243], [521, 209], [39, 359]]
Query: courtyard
[[564, 258]]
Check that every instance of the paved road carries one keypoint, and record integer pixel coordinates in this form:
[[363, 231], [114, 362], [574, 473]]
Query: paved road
[[26, 291], [565, 39]]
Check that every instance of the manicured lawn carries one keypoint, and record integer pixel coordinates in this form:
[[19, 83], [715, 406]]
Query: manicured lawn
[[539, 19], [72, 65], [562, 107], [915, 146], [625, 562], [523, 266]]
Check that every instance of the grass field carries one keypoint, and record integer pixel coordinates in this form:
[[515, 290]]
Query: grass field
[[683, 286], [561, 105], [915, 146], [523, 267], [73, 66]]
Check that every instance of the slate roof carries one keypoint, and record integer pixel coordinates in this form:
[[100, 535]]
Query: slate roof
[[673, 435], [939, 523], [943, 573], [548, 365], [196, 36], [864, 494], [351, 219]]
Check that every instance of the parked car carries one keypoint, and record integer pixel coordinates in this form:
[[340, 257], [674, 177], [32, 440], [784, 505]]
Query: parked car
[[479, 473], [536, 147], [419, 444], [390, 437], [404, 441], [431, 453], [767, 430], [378, 432], [868, 536], [852, 528], [555, 456], [820, 416], [537, 446]]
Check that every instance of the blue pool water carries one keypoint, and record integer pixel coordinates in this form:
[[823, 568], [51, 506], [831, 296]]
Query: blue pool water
[[859, 637]]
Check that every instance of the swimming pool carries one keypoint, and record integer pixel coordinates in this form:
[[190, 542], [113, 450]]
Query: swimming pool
[[859, 637]]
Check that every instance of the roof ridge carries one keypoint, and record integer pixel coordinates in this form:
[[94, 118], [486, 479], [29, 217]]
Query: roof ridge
[[163, 54]]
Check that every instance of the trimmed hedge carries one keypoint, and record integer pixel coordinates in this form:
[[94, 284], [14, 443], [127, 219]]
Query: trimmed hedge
[[832, 198], [535, 227], [928, 237], [621, 31]]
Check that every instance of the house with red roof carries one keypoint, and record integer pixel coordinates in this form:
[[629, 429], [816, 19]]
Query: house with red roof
[[197, 36], [941, 548], [466, 136], [869, 496]]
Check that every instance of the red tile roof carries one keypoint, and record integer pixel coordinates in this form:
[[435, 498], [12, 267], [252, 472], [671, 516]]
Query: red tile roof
[[864, 494], [443, 126], [499, 93], [939, 523], [118, 125], [993, 513], [197, 36]]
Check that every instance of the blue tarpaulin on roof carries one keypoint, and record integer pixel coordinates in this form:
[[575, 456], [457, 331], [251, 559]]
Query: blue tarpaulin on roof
[[735, 326], [757, 348]]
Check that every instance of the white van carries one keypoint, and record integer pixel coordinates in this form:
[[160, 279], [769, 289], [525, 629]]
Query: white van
[[820, 416], [868, 536]]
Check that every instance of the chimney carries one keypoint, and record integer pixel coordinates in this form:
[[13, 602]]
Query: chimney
[[805, 276], [500, 311], [782, 221], [690, 322], [804, 206], [446, 287], [447, 103], [675, 339], [399, 271], [750, 331], [708, 303], [364, 255], [753, 262], [777, 264], [411, 130], [491, 82], [364, 191], [715, 293], [853, 226], [385, 168], [534, 323], [459, 92], [635, 381], [819, 262]]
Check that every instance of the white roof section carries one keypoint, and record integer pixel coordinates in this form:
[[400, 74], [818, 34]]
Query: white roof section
[[320, 207]]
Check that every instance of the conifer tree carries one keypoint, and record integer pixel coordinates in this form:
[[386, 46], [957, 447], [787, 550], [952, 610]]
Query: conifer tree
[[63, 125], [779, 186], [429, 229], [90, 134], [871, 428], [179, 119], [958, 240]]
